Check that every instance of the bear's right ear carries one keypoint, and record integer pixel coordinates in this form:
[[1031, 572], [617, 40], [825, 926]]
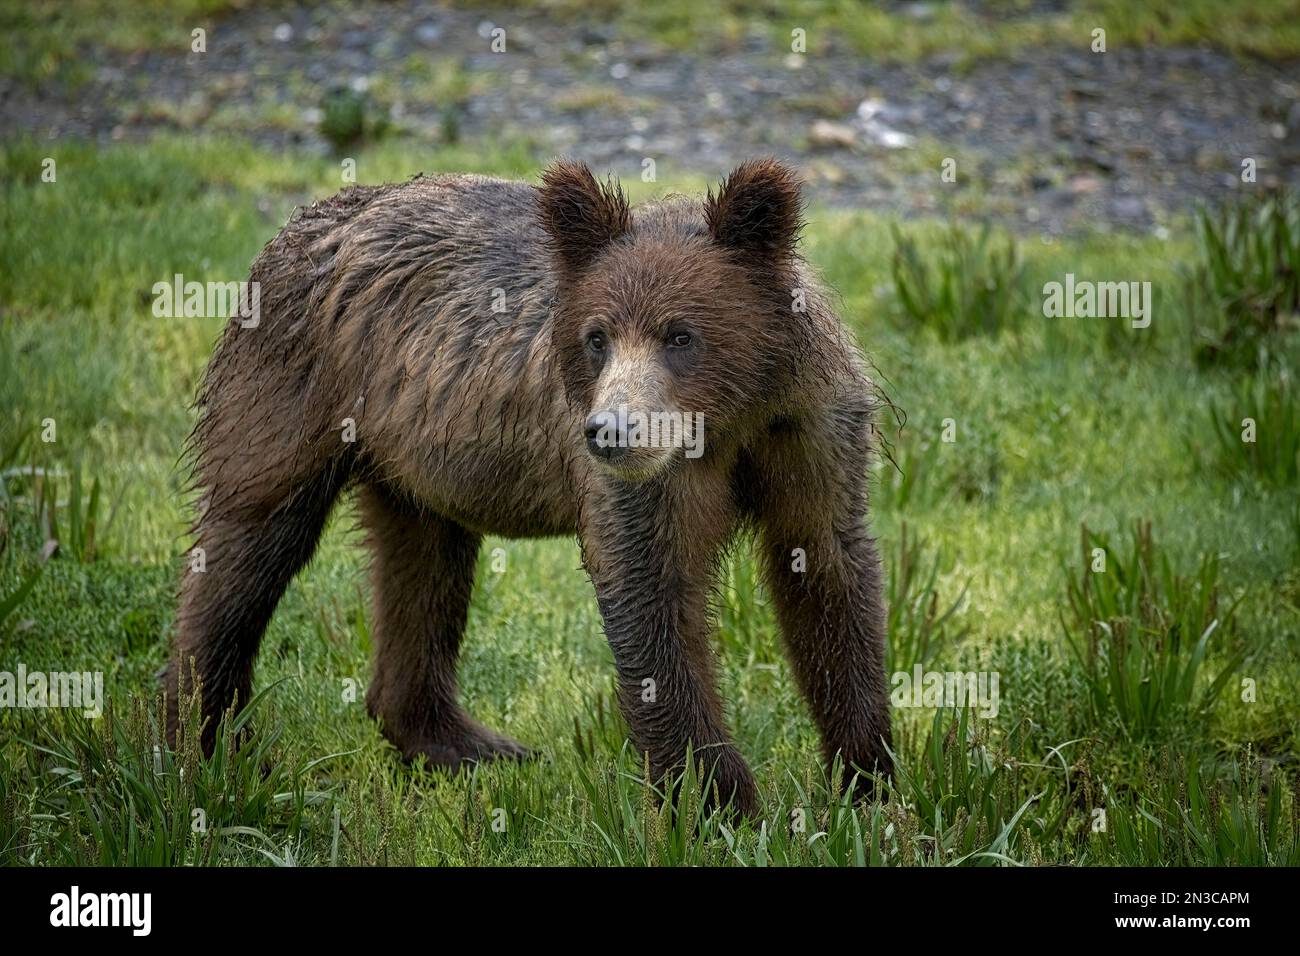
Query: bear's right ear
[[580, 216], [758, 210]]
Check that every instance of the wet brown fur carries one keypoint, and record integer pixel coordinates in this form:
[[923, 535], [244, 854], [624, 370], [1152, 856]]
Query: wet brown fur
[[376, 306]]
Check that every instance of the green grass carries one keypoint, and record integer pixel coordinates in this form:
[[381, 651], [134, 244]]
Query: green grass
[[1245, 290], [1055, 424], [973, 288], [995, 29], [1142, 632]]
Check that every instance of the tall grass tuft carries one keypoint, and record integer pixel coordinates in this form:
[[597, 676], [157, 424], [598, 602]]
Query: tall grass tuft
[[1190, 814], [922, 626], [1144, 634], [1244, 291], [970, 284], [1258, 430], [61, 510], [979, 802], [114, 793], [635, 823], [73, 522]]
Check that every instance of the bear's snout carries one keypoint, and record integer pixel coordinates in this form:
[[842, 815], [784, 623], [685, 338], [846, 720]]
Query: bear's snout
[[606, 436]]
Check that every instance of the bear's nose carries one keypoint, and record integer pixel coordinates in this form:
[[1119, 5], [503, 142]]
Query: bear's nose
[[604, 437]]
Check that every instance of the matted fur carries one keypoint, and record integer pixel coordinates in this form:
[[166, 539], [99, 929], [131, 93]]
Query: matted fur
[[378, 309]]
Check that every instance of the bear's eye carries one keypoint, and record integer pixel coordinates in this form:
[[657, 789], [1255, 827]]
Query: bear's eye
[[596, 342], [679, 340]]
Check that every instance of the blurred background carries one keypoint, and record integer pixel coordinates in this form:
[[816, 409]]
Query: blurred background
[[868, 97]]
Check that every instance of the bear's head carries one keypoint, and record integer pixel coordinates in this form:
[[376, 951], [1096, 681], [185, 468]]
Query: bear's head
[[675, 322]]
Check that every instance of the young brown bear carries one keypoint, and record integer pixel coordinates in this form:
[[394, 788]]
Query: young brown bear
[[473, 354]]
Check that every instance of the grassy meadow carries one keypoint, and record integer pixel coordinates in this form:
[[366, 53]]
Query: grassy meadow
[[1096, 533]]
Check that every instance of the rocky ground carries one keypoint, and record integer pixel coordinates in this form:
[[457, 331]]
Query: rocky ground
[[1044, 139]]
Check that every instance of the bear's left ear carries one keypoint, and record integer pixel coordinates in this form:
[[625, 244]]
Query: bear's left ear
[[759, 209]]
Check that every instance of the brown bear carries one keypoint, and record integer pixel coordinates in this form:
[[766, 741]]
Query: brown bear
[[481, 357]]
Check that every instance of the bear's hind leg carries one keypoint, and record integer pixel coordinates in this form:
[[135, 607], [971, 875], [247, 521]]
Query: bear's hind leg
[[423, 575], [249, 556]]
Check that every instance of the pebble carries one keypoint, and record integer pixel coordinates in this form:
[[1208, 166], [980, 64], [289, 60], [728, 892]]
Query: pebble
[[823, 134], [1143, 134]]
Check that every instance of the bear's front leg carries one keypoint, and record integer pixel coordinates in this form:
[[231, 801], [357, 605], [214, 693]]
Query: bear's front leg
[[652, 551], [822, 568]]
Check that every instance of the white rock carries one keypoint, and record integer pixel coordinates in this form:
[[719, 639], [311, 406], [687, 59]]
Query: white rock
[[868, 109], [826, 134], [893, 139]]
